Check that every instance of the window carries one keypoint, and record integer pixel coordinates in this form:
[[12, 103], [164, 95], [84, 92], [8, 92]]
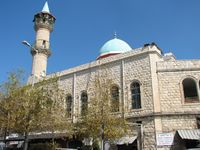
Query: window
[[43, 44], [135, 95], [190, 90], [69, 105], [84, 102], [198, 122], [199, 84], [114, 99]]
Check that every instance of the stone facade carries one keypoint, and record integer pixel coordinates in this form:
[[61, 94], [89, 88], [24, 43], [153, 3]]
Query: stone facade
[[162, 99]]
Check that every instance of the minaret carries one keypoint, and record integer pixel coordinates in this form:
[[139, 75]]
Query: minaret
[[43, 25]]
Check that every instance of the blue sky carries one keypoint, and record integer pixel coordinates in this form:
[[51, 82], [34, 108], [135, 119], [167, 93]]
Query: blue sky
[[83, 26]]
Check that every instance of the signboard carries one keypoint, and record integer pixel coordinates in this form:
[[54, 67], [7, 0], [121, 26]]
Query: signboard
[[164, 139]]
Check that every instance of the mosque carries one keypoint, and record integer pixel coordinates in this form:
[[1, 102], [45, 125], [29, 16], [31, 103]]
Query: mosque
[[157, 92]]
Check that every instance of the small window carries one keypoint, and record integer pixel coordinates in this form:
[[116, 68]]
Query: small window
[[114, 99], [135, 95], [84, 103], [199, 84], [198, 122], [190, 90], [43, 44], [69, 105]]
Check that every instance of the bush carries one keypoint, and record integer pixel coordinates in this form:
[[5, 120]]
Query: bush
[[85, 147], [40, 146], [95, 145]]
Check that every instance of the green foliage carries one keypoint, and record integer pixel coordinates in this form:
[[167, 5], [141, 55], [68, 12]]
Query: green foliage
[[40, 146], [55, 118], [100, 122], [86, 147], [95, 145], [7, 102], [27, 109]]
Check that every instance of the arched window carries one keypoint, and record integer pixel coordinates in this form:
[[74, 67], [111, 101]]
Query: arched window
[[135, 95], [199, 84], [69, 105], [84, 102], [190, 90], [114, 99]]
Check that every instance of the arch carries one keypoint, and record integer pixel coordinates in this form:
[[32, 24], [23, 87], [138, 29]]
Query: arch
[[190, 90], [84, 102], [114, 98], [188, 76], [135, 95], [69, 105]]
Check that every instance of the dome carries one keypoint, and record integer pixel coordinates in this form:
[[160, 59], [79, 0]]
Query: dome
[[112, 47]]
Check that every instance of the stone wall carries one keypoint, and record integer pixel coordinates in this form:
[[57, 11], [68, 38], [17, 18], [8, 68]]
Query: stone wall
[[173, 123], [178, 65], [140, 65], [148, 138], [136, 67], [170, 75], [175, 113]]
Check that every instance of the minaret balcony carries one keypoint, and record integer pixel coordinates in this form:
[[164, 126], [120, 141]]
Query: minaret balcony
[[44, 20], [43, 50]]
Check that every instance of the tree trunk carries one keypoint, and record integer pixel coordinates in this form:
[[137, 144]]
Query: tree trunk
[[25, 141], [102, 138], [6, 129], [5, 134], [53, 141]]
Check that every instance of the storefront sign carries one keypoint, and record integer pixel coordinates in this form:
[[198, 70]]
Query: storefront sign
[[164, 139]]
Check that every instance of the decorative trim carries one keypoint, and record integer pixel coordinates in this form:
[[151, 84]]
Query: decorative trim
[[163, 114], [40, 50], [178, 69]]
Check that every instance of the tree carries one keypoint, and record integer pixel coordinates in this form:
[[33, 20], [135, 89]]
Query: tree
[[30, 102], [30, 109], [56, 120], [7, 104], [22, 107], [100, 120]]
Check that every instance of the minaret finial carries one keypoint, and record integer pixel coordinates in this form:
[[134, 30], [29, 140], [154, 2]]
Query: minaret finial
[[115, 35], [46, 8]]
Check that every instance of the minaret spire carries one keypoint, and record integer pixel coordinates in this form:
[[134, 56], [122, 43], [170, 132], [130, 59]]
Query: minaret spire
[[46, 8]]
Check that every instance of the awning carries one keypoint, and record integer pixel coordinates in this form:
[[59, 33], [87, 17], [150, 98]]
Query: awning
[[126, 140], [193, 134], [35, 136]]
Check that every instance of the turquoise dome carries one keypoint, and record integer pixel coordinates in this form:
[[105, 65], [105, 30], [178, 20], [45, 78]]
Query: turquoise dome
[[114, 46]]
